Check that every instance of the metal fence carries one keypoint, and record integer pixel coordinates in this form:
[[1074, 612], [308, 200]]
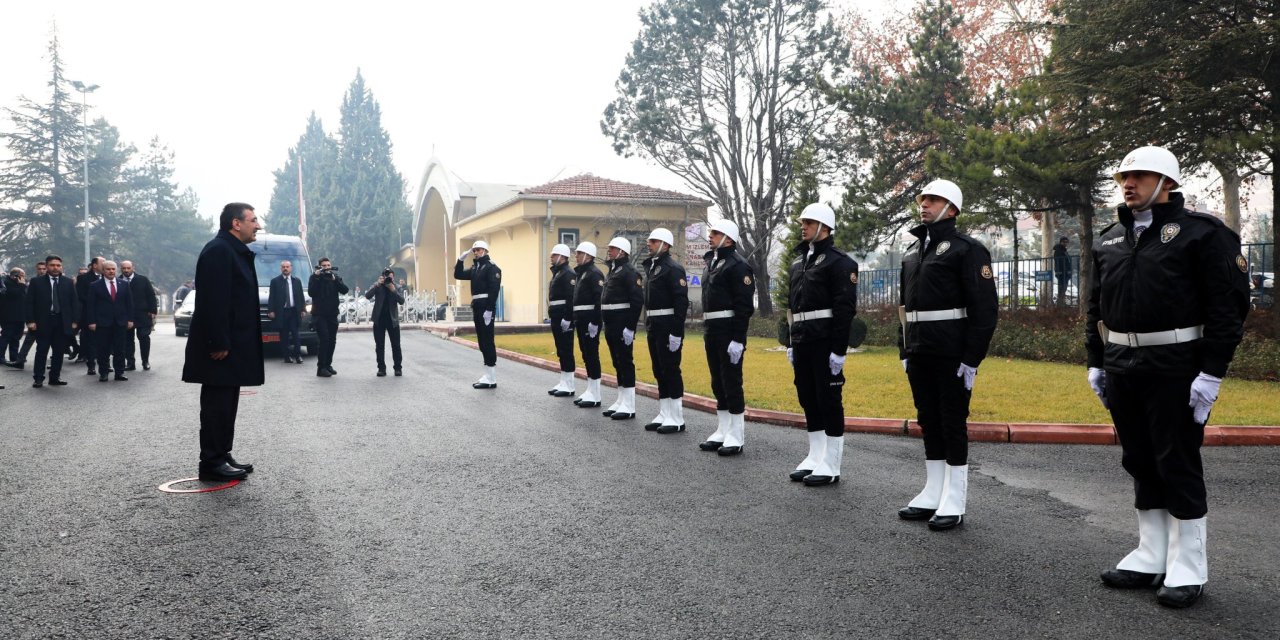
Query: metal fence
[[1032, 282], [417, 307]]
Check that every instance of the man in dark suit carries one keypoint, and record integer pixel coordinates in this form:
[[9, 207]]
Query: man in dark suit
[[30, 339], [386, 319], [224, 344], [110, 318], [284, 306], [145, 307], [13, 295], [53, 311], [86, 352]]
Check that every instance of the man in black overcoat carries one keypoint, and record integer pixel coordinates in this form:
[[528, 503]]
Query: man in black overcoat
[[53, 313], [145, 307]]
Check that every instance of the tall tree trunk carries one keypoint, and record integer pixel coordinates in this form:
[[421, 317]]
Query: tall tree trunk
[[1084, 209], [1230, 192], [760, 263]]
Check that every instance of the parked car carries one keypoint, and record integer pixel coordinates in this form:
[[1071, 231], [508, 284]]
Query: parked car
[[182, 317]]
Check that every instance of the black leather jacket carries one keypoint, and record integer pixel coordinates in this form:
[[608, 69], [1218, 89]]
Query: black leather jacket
[[622, 286], [587, 293], [665, 287], [826, 280], [728, 285], [560, 289], [486, 282]]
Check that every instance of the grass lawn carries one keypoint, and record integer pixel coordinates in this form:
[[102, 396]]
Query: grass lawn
[[1006, 390]]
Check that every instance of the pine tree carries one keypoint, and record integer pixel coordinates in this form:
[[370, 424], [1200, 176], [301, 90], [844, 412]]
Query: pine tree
[[165, 230], [806, 186], [318, 153]]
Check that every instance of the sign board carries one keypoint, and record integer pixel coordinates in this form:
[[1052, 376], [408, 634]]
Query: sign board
[[878, 285], [695, 281], [1044, 276]]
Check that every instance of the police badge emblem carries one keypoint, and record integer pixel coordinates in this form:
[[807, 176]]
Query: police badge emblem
[[1169, 232], [601, 283], [820, 259], [1242, 263], [986, 271], [573, 281], [943, 246]]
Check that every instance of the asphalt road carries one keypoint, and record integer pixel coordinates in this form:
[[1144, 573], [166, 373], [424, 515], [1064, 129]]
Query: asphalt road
[[417, 507]]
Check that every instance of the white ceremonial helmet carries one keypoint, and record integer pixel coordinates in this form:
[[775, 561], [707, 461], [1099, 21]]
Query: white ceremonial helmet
[[663, 235], [561, 250], [621, 243], [588, 248], [819, 212], [943, 189], [1154, 159], [480, 244], [728, 228]]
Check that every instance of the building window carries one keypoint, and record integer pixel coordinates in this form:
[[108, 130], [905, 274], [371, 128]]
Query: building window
[[569, 237]]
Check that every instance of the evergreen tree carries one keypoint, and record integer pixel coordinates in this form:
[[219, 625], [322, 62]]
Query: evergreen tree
[[806, 186], [165, 230], [318, 153]]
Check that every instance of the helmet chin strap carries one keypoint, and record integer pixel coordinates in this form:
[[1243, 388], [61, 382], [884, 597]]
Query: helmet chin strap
[[942, 215], [1146, 206]]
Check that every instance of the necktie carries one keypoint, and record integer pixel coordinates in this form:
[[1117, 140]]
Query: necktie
[[53, 287], [288, 284], [113, 289]]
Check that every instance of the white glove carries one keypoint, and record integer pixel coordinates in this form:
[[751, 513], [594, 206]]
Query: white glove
[[592, 329], [564, 326], [673, 343], [735, 352], [904, 365], [968, 373], [1204, 392], [836, 363], [463, 256], [790, 358], [1098, 382], [488, 318], [628, 336]]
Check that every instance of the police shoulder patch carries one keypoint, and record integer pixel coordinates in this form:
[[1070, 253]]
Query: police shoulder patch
[[573, 281], [1242, 263], [746, 279], [498, 275], [683, 283], [1169, 232], [986, 271], [601, 283], [639, 282], [820, 259], [943, 246]]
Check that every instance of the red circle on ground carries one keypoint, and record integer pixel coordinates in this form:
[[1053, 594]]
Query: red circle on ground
[[168, 486], [248, 393]]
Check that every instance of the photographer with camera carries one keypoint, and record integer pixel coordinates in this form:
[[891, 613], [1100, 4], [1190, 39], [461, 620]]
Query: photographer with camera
[[324, 288], [386, 319]]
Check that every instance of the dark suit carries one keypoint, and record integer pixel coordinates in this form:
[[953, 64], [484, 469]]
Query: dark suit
[[225, 319], [144, 304], [110, 317], [287, 318], [86, 349], [386, 321], [52, 329], [13, 295]]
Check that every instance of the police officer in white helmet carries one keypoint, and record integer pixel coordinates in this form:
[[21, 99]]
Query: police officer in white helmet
[[587, 320], [560, 314], [666, 301], [822, 303], [1166, 312], [728, 302], [620, 304], [486, 283]]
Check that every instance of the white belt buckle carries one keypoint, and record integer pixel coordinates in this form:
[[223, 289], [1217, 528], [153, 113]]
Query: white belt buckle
[[1132, 338]]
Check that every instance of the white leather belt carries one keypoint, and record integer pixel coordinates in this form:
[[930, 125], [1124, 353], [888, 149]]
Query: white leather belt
[[661, 312], [555, 303], [480, 296], [584, 307], [934, 316], [716, 315], [1155, 338], [615, 307], [804, 316]]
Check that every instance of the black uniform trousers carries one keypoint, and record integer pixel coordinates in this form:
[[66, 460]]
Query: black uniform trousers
[[10, 338], [1160, 441], [590, 350], [821, 394], [143, 337], [49, 335], [327, 335], [624, 365], [290, 339], [218, 407], [564, 345], [110, 345], [942, 407], [484, 337], [666, 363], [380, 333], [726, 377]]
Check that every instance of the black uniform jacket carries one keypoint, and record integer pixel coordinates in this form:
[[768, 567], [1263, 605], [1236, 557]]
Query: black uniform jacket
[[623, 286], [225, 317], [828, 279], [324, 290], [587, 292], [145, 302], [278, 296], [40, 302], [563, 280], [13, 307], [381, 295], [485, 277], [665, 287], [944, 269], [729, 285], [1184, 271]]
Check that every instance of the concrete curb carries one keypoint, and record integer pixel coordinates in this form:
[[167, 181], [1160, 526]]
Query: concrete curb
[[1021, 433]]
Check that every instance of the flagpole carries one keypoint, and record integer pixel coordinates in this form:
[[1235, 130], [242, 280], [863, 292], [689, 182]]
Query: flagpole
[[302, 205]]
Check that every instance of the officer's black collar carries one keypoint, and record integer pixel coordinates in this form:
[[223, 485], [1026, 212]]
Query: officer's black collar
[[723, 252], [483, 258], [1160, 212], [939, 229], [583, 267], [665, 255], [236, 243], [818, 247], [622, 259], [561, 266]]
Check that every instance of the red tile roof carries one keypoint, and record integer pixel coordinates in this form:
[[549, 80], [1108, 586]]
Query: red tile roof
[[589, 187]]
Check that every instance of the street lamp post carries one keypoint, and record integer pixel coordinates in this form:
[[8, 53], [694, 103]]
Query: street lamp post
[[84, 115]]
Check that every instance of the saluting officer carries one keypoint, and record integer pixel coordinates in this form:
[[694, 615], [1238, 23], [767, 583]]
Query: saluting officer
[[946, 321], [620, 304], [586, 319], [728, 290], [1166, 312], [486, 282], [560, 312], [823, 301], [666, 301]]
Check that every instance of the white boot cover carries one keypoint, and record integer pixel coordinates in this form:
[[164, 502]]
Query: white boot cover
[[593, 391], [817, 449], [722, 427], [1153, 543], [1188, 562], [931, 496], [957, 493], [628, 398], [663, 409], [675, 412], [737, 428], [617, 403], [830, 464], [492, 374], [566, 382]]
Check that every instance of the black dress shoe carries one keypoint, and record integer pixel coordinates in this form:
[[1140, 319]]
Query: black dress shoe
[[91, 372], [222, 472], [729, 451], [1126, 579], [800, 474], [146, 366], [608, 413], [332, 370], [297, 360], [121, 378], [37, 384], [1179, 597], [399, 372], [323, 373], [16, 364], [382, 373], [915, 513], [670, 428], [484, 385], [812, 480], [942, 523], [652, 426], [246, 466], [102, 378], [129, 367], [618, 415], [710, 445], [562, 394], [57, 383], [288, 360], [586, 404], [552, 392]]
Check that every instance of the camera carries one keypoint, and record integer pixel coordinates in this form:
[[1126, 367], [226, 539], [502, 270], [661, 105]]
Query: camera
[[388, 276]]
